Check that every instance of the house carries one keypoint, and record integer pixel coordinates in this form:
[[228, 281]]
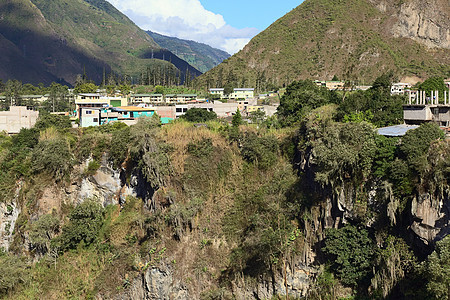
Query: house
[[334, 85], [147, 98], [396, 130], [180, 98], [96, 100], [166, 113], [238, 93], [95, 116], [16, 118], [399, 88], [218, 92]]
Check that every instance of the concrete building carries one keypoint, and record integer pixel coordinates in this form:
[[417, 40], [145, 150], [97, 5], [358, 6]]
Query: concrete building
[[400, 88], [146, 98], [98, 101], [180, 98], [16, 118], [238, 93], [428, 109], [94, 116]]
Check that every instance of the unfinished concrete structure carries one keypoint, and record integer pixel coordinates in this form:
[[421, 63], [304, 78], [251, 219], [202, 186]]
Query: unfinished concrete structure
[[422, 109], [16, 118]]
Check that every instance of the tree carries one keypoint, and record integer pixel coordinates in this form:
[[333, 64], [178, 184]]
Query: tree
[[433, 84], [57, 100], [437, 270], [84, 224], [300, 98], [159, 89], [13, 271], [228, 89], [85, 88], [415, 144], [52, 156], [199, 115], [237, 119], [350, 253], [42, 231]]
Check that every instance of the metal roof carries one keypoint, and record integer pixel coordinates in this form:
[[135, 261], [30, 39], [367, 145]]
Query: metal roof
[[396, 130]]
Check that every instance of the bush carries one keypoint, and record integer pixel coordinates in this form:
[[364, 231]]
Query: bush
[[262, 151], [47, 120], [13, 271], [199, 115], [52, 156], [84, 225], [42, 231], [350, 252], [437, 270]]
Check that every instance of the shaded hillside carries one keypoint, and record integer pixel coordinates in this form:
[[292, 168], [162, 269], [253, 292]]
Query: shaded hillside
[[349, 38], [198, 55], [47, 40]]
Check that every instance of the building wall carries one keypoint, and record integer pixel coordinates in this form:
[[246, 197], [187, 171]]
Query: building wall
[[16, 118]]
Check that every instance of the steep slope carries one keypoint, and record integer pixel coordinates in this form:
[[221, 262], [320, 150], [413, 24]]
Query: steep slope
[[349, 38], [198, 55], [47, 40]]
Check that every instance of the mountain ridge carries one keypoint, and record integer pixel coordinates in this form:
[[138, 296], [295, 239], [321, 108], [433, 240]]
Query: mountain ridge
[[57, 40], [201, 56], [355, 40]]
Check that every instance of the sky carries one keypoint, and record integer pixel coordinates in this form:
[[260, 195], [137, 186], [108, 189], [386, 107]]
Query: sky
[[225, 24]]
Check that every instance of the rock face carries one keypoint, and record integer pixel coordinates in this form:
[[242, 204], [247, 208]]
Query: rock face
[[431, 217], [426, 22], [156, 283], [9, 212], [160, 283]]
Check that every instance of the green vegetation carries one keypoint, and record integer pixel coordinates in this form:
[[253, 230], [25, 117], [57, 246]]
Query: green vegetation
[[352, 40], [199, 115], [222, 206], [351, 252], [200, 56]]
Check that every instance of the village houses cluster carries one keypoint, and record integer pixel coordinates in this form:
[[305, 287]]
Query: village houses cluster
[[94, 109]]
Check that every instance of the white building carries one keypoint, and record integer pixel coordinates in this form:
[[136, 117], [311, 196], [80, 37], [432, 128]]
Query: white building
[[399, 88], [16, 118]]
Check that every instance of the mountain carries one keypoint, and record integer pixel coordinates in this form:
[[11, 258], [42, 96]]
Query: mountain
[[44, 41], [353, 39], [201, 56]]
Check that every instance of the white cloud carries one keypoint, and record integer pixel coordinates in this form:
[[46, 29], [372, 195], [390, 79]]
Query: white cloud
[[186, 19]]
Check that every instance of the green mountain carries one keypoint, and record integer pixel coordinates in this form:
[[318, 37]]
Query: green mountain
[[56, 40], [201, 56], [353, 39]]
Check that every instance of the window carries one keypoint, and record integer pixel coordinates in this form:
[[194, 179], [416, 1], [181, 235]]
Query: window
[[184, 109], [95, 119], [178, 109], [89, 112]]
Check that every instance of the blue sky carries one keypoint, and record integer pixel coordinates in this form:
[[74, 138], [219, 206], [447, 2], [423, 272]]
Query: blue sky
[[262, 12], [225, 24]]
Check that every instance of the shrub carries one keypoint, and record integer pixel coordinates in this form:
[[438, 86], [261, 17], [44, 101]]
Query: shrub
[[13, 271], [47, 120], [84, 224], [437, 270], [42, 231], [52, 156], [262, 151], [199, 115], [350, 252]]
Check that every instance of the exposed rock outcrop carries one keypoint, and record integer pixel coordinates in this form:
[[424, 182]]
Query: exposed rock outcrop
[[426, 22]]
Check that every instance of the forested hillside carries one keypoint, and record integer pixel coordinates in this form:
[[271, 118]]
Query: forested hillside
[[313, 204], [200, 56], [46, 41], [355, 40]]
